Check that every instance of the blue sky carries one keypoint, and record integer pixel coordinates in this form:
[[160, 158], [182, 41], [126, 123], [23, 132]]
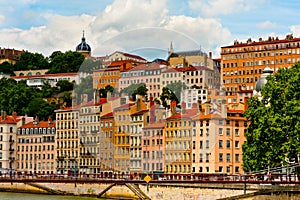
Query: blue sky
[[144, 27]]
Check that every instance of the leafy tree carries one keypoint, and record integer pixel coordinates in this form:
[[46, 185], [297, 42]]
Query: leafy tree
[[47, 91], [64, 85], [85, 87], [15, 96], [89, 65], [103, 91], [134, 89], [273, 136], [69, 61], [66, 97], [42, 109], [7, 68], [31, 61], [172, 92]]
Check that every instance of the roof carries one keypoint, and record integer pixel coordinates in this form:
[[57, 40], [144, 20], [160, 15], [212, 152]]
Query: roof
[[77, 107], [46, 75], [269, 41], [147, 66], [130, 55], [108, 115], [139, 112], [125, 106], [41, 124], [91, 103], [190, 53], [10, 119], [188, 114]]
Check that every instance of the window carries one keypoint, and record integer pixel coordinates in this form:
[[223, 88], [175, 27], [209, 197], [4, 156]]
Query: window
[[220, 131], [228, 157], [237, 157], [194, 144], [207, 144], [201, 157], [207, 157], [237, 144], [201, 144], [236, 132], [220, 169], [220, 143], [227, 143], [237, 169], [227, 131], [220, 157]]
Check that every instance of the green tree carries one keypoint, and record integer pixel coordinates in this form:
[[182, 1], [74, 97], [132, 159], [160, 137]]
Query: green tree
[[69, 61], [85, 87], [64, 85], [273, 136], [135, 89], [31, 61], [66, 97], [103, 91], [42, 109], [7, 68], [172, 92]]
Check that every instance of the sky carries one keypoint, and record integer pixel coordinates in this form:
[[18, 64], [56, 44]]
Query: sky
[[143, 27]]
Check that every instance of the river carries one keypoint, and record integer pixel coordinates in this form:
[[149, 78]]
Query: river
[[26, 196]]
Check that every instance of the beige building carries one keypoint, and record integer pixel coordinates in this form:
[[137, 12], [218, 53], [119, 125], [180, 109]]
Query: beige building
[[8, 140], [67, 141], [36, 147]]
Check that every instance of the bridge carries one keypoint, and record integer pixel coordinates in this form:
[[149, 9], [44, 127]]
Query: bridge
[[135, 182]]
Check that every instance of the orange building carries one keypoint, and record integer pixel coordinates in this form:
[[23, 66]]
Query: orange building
[[110, 75], [243, 63]]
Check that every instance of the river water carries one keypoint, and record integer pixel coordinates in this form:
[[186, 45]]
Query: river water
[[26, 196]]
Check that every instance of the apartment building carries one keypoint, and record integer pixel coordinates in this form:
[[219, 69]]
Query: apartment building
[[110, 74], [67, 141], [36, 147], [107, 143], [153, 147], [9, 125], [178, 140], [243, 62], [149, 73], [10, 55]]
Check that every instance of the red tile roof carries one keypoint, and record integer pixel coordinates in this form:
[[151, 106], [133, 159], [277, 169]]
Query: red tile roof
[[188, 114], [46, 75], [124, 106], [10, 119], [108, 115], [91, 103], [41, 124], [139, 112]]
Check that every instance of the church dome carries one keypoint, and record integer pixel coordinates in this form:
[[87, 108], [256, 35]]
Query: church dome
[[83, 46], [261, 82]]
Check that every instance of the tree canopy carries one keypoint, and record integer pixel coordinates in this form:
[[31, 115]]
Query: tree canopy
[[135, 89], [31, 61], [172, 92], [273, 136]]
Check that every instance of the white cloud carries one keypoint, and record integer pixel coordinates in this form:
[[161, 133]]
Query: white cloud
[[124, 25], [267, 25], [295, 29], [2, 18], [221, 7]]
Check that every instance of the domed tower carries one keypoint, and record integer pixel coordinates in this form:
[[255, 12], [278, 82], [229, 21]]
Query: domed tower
[[83, 47], [261, 82]]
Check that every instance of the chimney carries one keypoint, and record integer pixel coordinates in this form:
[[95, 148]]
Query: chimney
[[84, 98], [24, 120], [3, 115], [138, 102], [183, 107], [210, 55], [49, 121], [108, 96], [206, 109], [96, 96], [224, 110], [173, 107]]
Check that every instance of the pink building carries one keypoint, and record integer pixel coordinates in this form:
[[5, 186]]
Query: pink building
[[149, 73], [153, 147]]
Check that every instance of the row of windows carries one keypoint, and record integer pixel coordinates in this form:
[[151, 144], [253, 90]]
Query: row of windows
[[140, 73], [65, 116], [228, 157], [36, 148], [31, 131]]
